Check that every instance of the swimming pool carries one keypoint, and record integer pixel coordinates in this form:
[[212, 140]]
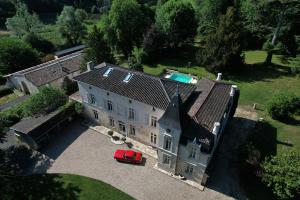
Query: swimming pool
[[181, 78]]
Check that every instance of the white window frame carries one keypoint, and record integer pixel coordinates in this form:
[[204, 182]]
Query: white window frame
[[110, 105], [189, 169], [154, 121], [123, 126], [132, 129], [96, 115], [131, 114], [167, 142], [153, 138], [111, 122], [166, 159], [193, 152], [92, 98]]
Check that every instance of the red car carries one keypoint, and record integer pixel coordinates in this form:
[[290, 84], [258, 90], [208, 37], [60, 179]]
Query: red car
[[128, 156]]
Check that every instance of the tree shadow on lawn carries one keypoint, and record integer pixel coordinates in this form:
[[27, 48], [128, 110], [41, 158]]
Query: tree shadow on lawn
[[226, 170], [259, 72], [295, 121], [45, 186]]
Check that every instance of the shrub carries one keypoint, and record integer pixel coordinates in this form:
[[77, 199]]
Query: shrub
[[69, 86], [283, 106], [136, 59], [45, 101], [281, 173], [15, 55], [78, 108], [39, 43], [4, 90]]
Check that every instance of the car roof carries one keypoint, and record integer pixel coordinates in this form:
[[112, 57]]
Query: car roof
[[129, 153]]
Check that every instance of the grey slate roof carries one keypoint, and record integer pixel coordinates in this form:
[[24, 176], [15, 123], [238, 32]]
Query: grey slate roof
[[52, 70], [27, 125], [208, 108], [173, 114], [148, 89], [213, 109]]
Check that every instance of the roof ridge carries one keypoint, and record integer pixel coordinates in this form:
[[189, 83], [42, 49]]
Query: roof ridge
[[164, 89], [144, 74], [52, 62]]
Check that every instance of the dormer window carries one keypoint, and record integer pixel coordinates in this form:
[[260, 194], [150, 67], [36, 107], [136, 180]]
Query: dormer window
[[128, 77], [107, 72]]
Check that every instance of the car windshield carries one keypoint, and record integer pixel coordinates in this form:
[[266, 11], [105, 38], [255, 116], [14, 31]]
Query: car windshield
[[130, 155]]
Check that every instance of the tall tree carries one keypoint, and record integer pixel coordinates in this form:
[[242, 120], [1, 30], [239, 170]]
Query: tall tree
[[22, 22], [222, 51], [71, 25], [208, 12], [16, 55], [126, 24], [98, 50], [176, 19], [153, 43]]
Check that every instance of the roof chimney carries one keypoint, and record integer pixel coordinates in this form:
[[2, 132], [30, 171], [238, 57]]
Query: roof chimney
[[216, 128], [219, 77], [233, 89], [90, 65]]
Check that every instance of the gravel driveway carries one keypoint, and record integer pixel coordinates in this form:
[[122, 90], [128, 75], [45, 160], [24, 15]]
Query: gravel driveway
[[82, 151]]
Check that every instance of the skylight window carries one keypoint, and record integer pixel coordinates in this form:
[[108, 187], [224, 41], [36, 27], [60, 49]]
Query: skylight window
[[128, 77], [107, 72]]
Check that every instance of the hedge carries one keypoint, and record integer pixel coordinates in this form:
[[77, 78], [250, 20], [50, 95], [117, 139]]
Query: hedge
[[4, 90]]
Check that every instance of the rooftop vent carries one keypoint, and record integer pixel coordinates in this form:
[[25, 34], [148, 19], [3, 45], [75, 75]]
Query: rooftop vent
[[107, 72], [128, 77]]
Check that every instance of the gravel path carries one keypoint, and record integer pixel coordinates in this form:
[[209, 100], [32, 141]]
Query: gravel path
[[88, 153]]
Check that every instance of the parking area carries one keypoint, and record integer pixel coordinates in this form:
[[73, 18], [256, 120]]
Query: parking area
[[82, 151]]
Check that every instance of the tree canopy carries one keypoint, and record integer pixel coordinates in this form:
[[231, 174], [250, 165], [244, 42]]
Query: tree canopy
[[126, 24], [222, 51], [176, 19], [97, 50], [71, 25], [45, 101], [282, 173], [22, 22], [16, 55]]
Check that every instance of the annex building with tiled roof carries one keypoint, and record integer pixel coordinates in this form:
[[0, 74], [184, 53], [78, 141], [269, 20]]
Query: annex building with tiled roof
[[183, 122], [49, 73]]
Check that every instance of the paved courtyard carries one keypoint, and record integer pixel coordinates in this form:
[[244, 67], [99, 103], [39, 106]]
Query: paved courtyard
[[82, 151]]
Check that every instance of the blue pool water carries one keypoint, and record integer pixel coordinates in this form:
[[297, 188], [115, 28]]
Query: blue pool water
[[181, 78]]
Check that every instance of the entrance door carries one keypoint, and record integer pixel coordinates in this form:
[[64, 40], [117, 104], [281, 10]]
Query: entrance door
[[122, 127]]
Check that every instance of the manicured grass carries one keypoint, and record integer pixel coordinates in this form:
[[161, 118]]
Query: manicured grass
[[8, 98], [62, 186], [180, 65], [257, 83]]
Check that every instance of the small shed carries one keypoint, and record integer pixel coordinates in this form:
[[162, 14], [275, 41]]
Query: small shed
[[35, 131]]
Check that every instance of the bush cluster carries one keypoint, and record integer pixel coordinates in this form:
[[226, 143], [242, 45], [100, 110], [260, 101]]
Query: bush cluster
[[283, 106], [4, 90]]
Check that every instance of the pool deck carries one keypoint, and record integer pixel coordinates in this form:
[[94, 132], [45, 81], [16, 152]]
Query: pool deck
[[170, 72]]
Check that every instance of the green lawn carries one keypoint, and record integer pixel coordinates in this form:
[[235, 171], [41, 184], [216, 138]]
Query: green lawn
[[257, 83], [8, 98], [62, 186]]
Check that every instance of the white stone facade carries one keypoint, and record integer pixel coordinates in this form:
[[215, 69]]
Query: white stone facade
[[143, 120]]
